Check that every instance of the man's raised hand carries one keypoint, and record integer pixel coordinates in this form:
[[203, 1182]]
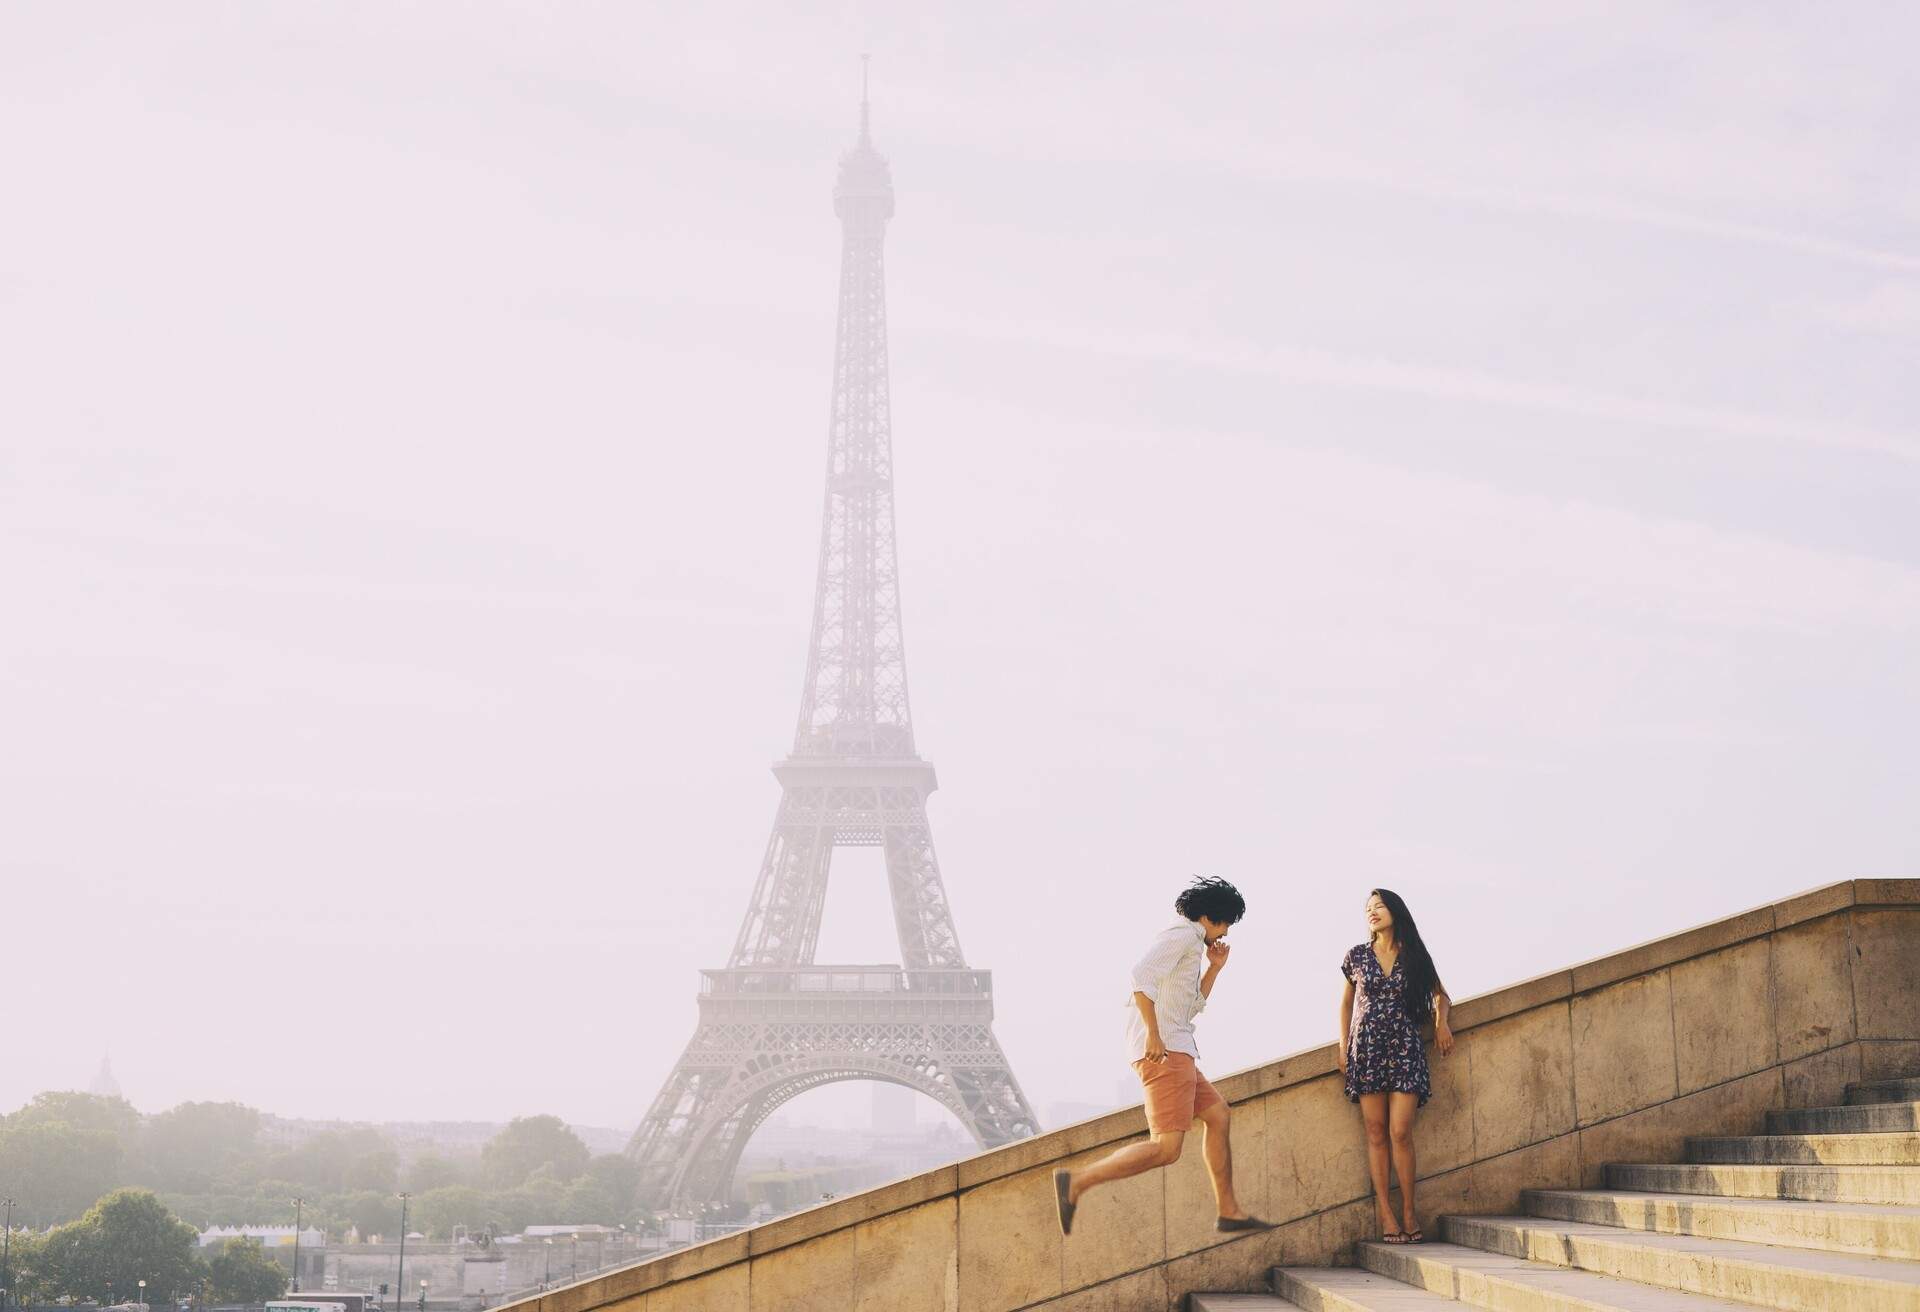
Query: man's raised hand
[[1217, 953]]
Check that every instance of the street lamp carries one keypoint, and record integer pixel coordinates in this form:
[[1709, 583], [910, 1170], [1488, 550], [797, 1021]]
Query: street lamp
[[548, 1278], [576, 1254], [423, 1296], [6, 1258], [296, 1245], [400, 1276], [143, 1293]]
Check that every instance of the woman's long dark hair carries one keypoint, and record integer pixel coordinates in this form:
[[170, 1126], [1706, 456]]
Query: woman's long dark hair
[[1416, 963]]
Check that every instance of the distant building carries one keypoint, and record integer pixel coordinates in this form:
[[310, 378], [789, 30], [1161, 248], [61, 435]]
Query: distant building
[[104, 1084]]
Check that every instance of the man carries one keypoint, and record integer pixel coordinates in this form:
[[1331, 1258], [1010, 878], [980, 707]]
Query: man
[[1171, 984]]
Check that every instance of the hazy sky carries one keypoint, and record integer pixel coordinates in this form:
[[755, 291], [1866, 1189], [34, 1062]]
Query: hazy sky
[[1475, 451]]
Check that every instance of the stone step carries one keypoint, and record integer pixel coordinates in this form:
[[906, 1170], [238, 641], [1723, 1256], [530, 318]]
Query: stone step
[[1907, 1090], [1864, 1118], [1834, 1227], [1236, 1303], [1350, 1289], [1789, 1279], [1494, 1281], [1887, 1186], [1808, 1149]]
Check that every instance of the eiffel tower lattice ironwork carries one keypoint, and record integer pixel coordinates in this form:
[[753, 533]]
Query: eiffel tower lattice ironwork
[[775, 1023]]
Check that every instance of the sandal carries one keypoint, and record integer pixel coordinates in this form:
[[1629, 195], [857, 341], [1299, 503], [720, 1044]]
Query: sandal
[[1416, 1236], [1395, 1237]]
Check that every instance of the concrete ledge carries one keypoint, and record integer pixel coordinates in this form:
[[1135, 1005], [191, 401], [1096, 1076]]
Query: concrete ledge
[[797, 1227], [1644, 958], [1886, 892]]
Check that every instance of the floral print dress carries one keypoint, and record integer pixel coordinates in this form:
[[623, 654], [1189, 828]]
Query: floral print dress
[[1384, 1052]]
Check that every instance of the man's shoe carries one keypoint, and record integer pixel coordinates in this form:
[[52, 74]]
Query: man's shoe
[[1062, 1192], [1226, 1225]]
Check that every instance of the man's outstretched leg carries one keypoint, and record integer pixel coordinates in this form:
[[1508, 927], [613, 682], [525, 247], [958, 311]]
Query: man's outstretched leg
[[1217, 1145], [1120, 1164]]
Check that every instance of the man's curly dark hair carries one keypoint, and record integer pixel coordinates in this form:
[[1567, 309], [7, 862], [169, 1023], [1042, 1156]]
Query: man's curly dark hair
[[1213, 898]]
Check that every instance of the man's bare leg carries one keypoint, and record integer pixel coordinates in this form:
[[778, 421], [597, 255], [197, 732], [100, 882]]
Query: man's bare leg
[[1123, 1163], [1218, 1149]]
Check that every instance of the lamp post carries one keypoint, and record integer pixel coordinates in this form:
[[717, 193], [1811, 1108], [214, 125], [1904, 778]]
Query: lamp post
[[576, 1255], [295, 1286], [6, 1258], [143, 1294], [400, 1276], [547, 1279], [423, 1296]]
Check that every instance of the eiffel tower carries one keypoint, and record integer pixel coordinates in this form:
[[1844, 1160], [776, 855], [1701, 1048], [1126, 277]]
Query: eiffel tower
[[774, 1022]]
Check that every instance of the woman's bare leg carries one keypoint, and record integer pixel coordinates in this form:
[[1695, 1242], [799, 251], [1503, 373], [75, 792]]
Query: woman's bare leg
[[1373, 1113], [1401, 1112]]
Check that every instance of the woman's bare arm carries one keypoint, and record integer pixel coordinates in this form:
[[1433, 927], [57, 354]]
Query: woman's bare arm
[[1346, 1021]]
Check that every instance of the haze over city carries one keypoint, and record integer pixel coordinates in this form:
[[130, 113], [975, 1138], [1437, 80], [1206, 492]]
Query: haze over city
[[1476, 455]]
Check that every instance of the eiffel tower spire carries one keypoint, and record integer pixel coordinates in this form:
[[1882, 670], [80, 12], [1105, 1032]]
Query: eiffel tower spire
[[773, 1023]]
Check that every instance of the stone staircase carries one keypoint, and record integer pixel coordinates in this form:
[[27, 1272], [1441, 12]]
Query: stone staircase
[[1819, 1214]]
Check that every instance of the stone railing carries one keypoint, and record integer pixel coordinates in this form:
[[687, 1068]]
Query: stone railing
[[1615, 1060]]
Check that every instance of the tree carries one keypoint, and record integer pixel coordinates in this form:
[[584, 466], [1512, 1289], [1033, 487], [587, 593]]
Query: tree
[[604, 1193], [241, 1272], [378, 1170], [529, 1143], [188, 1149], [123, 1239], [56, 1169], [369, 1213], [432, 1171], [438, 1211], [83, 1111], [23, 1273]]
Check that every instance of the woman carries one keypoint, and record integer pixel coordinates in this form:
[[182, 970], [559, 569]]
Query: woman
[[1392, 977]]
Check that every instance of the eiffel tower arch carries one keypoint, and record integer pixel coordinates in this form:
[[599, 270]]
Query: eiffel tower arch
[[774, 1023]]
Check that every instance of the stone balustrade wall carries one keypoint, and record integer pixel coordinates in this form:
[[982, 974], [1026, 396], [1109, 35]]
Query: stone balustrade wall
[[1615, 1060]]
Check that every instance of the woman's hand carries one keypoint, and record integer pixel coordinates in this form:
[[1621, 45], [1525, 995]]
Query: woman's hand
[[1443, 1037], [1342, 1058]]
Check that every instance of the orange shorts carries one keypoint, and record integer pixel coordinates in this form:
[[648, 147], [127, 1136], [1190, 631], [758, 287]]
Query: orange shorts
[[1176, 1093]]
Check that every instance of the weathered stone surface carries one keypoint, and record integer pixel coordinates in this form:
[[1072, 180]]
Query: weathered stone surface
[[1723, 1015], [1822, 1079], [1499, 1181], [710, 1256], [1189, 1193], [1812, 987], [1623, 1056], [1512, 1000], [1659, 1134], [812, 1277], [1886, 892], [1010, 1243], [1886, 983], [724, 1290], [851, 1210], [909, 1261], [1129, 1293], [1888, 1059], [1436, 1196], [1443, 1129], [1316, 1149], [1522, 1079], [1241, 1264], [1693, 942], [1809, 905], [1121, 1227]]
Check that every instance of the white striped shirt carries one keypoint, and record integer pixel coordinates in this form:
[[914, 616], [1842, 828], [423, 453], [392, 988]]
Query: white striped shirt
[[1170, 974]]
